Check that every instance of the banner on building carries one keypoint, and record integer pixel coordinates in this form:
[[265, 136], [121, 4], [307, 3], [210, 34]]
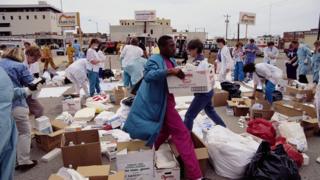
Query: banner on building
[[70, 19], [247, 18], [149, 15]]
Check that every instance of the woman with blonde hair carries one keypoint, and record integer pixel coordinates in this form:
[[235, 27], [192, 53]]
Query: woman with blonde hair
[[20, 76]]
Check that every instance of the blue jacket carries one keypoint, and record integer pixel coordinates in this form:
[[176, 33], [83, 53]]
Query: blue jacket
[[149, 107], [20, 77], [315, 66]]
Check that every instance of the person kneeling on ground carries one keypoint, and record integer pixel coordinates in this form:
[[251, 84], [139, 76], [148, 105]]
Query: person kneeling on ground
[[201, 100], [153, 116], [263, 72]]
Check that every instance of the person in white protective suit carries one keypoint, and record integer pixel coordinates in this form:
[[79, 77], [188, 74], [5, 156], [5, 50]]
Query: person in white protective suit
[[224, 60], [77, 74], [270, 54]]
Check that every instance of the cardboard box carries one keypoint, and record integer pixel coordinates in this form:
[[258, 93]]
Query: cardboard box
[[71, 103], [80, 154], [168, 174], [294, 109], [48, 142], [265, 113], [99, 172], [220, 98], [201, 151], [138, 162], [119, 93], [310, 127], [240, 106], [307, 93], [194, 82]]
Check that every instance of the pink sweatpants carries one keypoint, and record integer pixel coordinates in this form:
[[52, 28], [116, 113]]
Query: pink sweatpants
[[174, 126]]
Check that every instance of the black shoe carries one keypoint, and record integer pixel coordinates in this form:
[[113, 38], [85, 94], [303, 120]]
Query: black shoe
[[26, 167]]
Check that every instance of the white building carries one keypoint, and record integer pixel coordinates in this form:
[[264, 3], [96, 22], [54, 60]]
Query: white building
[[28, 19], [154, 29]]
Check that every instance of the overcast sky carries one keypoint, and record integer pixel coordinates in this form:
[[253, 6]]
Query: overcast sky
[[286, 15]]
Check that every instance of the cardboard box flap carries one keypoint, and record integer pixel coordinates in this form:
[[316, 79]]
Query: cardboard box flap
[[266, 105], [55, 177], [58, 124], [91, 171], [200, 148], [311, 121], [117, 176], [77, 137], [132, 145]]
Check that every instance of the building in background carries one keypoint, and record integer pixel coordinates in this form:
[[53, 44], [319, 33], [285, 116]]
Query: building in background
[[30, 21], [147, 25], [308, 37]]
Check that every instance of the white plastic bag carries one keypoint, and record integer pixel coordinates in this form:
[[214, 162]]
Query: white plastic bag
[[230, 152], [294, 134], [103, 117]]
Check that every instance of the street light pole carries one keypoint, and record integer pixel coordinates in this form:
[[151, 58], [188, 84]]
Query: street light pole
[[227, 24], [97, 26]]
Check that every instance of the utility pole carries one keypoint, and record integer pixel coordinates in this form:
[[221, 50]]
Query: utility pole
[[238, 32], [318, 38], [227, 24], [270, 10]]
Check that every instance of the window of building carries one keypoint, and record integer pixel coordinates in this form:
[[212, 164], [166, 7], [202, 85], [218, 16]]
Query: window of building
[[19, 17], [132, 24], [35, 17], [4, 24], [11, 17], [3, 18], [27, 17], [167, 24], [43, 16], [151, 31], [161, 23]]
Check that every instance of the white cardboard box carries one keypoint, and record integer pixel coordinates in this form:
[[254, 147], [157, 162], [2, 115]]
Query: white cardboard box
[[168, 173], [195, 82], [71, 105], [138, 162]]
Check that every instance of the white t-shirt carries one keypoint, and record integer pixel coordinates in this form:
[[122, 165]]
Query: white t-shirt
[[130, 53], [268, 72], [78, 69], [93, 55], [103, 59]]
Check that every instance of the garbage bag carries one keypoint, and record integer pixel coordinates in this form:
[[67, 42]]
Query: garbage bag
[[277, 96], [271, 165], [291, 151], [294, 134], [262, 129], [232, 88], [128, 101], [230, 152]]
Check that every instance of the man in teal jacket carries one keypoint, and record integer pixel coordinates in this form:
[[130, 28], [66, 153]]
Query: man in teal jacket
[[153, 116]]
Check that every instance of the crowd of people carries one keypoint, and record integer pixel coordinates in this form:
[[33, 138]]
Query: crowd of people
[[158, 119]]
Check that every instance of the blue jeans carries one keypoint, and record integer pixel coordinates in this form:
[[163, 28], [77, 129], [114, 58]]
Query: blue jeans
[[270, 88], [94, 82], [238, 71], [126, 79], [199, 102]]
